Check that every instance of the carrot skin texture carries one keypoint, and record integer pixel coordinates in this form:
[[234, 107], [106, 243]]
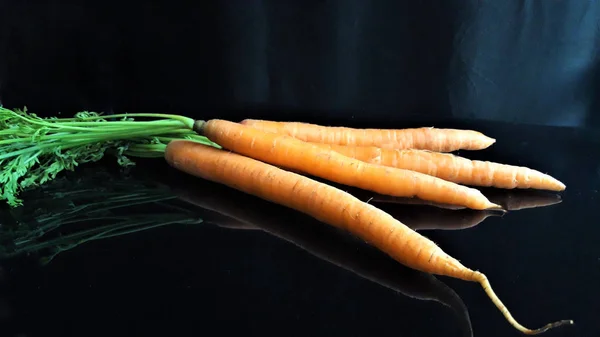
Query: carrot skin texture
[[453, 168], [427, 138], [318, 200], [331, 206], [291, 153], [330, 246]]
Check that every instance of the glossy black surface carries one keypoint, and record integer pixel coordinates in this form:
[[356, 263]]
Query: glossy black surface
[[252, 268]]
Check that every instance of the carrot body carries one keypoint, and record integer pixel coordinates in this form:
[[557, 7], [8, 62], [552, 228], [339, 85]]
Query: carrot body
[[427, 138], [292, 153], [332, 246], [321, 201], [329, 205], [453, 168]]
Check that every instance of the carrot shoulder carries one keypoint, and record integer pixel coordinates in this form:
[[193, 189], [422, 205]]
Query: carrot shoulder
[[329, 205], [453, 168], [427, 138], [291, 153]]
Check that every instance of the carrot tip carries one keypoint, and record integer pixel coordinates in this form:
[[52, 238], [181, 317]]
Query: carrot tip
[[495, 207], [549, 326], [489, 142], [482, 279]]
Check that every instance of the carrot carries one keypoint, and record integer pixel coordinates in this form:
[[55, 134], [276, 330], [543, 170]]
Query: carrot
[[323, 242], [291, 153], [453, 168], [230, 204], [331, 206], [428, 138]]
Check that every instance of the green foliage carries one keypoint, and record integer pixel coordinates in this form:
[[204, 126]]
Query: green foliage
[[34, 150]]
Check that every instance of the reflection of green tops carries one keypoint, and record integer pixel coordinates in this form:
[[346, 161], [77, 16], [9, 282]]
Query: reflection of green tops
[[89, 204], [93, 203]]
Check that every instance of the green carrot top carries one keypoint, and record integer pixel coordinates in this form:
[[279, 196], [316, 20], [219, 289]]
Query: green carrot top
[[33, 150]]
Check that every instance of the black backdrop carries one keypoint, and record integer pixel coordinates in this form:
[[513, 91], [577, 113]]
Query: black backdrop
[[527, 61]]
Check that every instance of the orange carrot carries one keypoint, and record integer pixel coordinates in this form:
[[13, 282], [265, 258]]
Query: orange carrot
[[324, 242], [231, 207], [453, 168], [427, 138], [291, 153], [331, 206]]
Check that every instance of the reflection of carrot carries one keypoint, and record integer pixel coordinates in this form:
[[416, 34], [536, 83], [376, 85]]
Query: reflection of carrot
[[331, 206], [514, 200], [421, 218], [326, 243], [386, 199], [210, 201], [229, 203], [452, 167], [441, 140], [288, 152]]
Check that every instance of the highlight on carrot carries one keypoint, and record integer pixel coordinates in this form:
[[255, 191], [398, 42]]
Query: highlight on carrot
[[291, 153], [453, 168], [427, 138], [331, 206], [324, 242]]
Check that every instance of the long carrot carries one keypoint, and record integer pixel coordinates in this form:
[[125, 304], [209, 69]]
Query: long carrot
[[427, 138], [291, 153], [453, 168], [227, 204], [331, 206], [324, 242]]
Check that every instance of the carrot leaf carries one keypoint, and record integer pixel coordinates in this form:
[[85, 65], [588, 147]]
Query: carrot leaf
[[34, 150]]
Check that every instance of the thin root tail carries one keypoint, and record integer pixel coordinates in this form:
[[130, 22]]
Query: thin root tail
[[482, 279]]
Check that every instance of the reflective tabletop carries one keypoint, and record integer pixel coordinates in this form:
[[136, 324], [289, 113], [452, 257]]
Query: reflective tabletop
[[151, 251]]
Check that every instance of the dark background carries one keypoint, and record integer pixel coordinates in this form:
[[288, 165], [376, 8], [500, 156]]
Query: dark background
[[350, 62], [524, 61]]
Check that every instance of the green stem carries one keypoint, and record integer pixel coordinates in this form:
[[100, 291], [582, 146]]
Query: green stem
[[188, 122], [116, 136], [125, 134], [148, 147], [124, 123], [42, 122], [194, 137]]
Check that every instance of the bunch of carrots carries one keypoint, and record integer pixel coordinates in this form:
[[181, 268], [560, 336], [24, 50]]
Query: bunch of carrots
[[281, 162]]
